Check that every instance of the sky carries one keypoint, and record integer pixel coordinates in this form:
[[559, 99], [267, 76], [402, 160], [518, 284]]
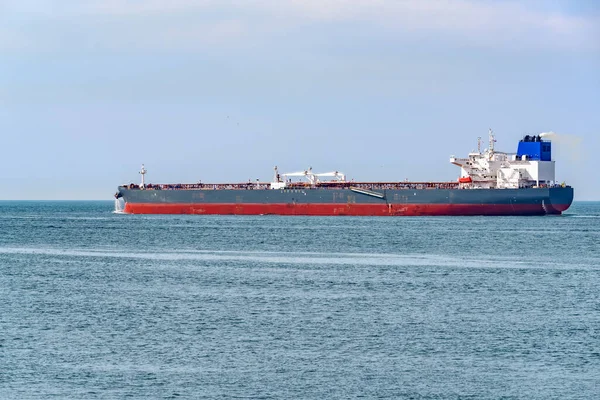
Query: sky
[[224, 90]]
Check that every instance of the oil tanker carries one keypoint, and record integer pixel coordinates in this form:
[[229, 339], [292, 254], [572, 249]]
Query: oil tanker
[[490, 183]]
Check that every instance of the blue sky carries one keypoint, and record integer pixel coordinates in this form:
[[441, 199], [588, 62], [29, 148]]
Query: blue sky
[[223, 90]]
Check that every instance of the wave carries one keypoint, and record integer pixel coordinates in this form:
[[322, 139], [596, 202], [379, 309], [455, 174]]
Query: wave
[[304, 258]]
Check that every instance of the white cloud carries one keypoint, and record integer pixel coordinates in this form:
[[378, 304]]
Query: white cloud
[[218, 21], [499, 22], [206, 34], [132, 7]]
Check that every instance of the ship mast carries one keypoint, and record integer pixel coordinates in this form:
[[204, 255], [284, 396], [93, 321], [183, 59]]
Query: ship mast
[[143, 172], [492, 141]]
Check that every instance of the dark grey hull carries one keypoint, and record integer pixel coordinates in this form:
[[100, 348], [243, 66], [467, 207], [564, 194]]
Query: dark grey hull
[[346, 201]]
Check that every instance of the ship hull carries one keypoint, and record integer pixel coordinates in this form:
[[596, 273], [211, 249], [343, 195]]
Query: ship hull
[[324, 202]]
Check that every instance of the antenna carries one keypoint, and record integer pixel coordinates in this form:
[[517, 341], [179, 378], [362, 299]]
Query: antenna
[[492, 140], [479, 144], [143, 172]]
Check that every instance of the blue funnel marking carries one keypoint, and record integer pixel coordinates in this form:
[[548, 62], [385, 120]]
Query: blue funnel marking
[[535, 148]]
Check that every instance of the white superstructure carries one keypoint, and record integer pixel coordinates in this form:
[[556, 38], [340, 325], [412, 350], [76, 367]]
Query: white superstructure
[[280, 180], [494, 169]]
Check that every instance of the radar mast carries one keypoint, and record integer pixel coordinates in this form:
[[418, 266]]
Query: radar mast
[[143, 172]]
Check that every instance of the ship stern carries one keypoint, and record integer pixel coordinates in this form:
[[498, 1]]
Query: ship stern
[[559, 199]]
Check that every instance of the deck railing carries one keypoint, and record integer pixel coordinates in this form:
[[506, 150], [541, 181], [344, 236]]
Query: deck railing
[[299, 185], [308, 186]]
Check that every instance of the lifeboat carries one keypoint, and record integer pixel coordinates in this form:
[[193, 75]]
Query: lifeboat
[[466, 179]]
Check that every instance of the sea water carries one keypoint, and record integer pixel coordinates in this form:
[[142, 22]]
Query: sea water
[[95, 304]]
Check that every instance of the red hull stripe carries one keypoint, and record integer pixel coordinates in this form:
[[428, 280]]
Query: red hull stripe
[[338, 209]]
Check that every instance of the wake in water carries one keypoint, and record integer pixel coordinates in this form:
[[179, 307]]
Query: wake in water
[[298, 258]]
